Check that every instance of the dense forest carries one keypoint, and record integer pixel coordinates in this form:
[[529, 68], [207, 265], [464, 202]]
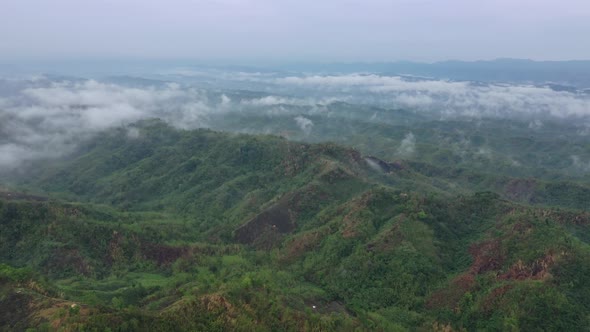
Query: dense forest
[[168, 229]]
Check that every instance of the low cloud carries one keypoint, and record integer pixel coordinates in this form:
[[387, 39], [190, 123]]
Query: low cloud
[[304, 124], [448, 97], [48, 121], [579, 164], [407, 146], [536, 124], [41, 118], [275, 100]]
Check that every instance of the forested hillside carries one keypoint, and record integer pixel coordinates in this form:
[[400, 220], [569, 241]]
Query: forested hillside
[[148, 227]]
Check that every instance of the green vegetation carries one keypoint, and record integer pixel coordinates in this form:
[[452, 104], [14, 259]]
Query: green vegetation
[[200, 230]]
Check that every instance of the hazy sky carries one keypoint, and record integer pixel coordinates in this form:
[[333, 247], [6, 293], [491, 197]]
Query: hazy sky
[[294, 30]]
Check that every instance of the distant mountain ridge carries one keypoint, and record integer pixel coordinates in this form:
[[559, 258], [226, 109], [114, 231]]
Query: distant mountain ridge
[[575, 73]]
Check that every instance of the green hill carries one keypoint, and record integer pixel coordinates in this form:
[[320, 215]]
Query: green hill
[[202, 230]]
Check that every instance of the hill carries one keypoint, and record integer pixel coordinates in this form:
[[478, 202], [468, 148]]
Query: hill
[[200, 230]]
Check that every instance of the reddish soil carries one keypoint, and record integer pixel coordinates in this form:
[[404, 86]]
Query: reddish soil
[[390, 239], [451, 296], [537, 270], [303, 243], [277, 219], [351, 219], [487, 256], [564, 217], [494, 299]]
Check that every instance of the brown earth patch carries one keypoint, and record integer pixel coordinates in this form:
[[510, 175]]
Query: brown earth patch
[[296, 159], [276, 220], [443, 327], [68, 258], [162, 254], [24, 307], [122, 248], [354, 156], [389, 239], [332, 171], [15, 310], [537, 270], [451, 296], [351, 220], [520, 189], [303, 243], [564, 217], [487, 256], [494, 299], [214, 302]]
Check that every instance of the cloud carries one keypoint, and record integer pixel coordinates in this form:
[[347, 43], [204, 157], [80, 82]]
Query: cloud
[[274, 100], [536, 124], [304, 124], [448, 97], [484, 152], [50, 120], [407, 146], [415, 101], [43, 118], [225, 101], [133, 133], [579, 164], [12, 154]]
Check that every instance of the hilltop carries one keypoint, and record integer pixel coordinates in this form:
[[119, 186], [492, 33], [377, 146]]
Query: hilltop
[[150, 227]]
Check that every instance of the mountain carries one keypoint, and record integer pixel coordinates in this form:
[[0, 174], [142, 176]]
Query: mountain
[[569, 73], [148, 227]]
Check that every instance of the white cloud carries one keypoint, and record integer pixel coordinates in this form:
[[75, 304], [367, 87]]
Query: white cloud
[[579, 164], [451, 98], [133, 133], [304, 124], [407, 146], [536, 124], [374, 165], [45, 118], [414, 101], [275, 100], [225, 101], [12, 154], [49, 121]]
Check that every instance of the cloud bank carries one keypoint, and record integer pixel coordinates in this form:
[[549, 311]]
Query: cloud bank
[[49, 121], [42, 118], [448, 97]]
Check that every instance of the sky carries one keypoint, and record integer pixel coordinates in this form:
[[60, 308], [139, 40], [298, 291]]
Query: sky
[[296, 30]]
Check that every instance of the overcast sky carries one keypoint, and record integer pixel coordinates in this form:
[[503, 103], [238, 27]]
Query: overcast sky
[[296, 30]]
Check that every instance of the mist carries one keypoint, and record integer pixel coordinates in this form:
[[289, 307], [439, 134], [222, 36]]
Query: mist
[[46, 118]]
